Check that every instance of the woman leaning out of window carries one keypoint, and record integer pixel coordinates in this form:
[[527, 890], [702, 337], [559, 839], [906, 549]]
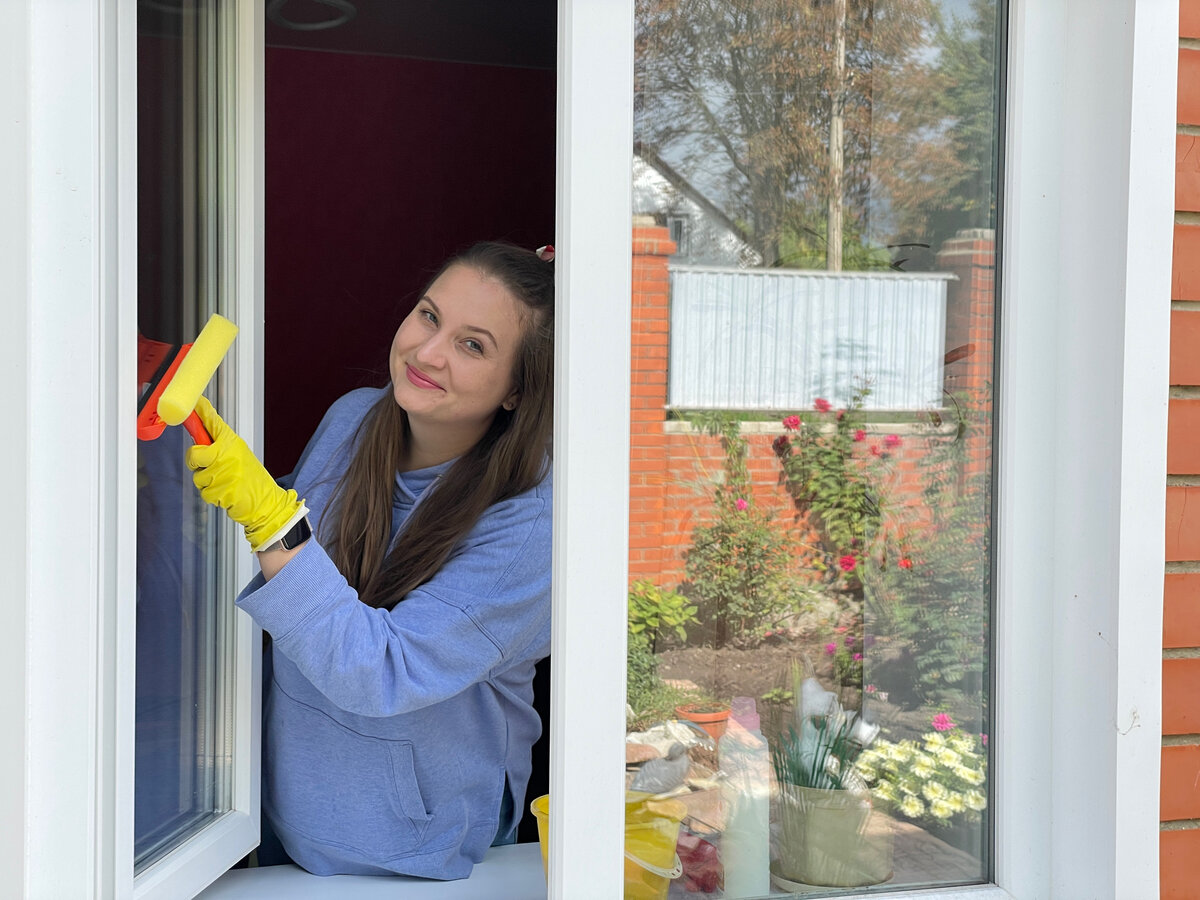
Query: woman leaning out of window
[[406, 623]]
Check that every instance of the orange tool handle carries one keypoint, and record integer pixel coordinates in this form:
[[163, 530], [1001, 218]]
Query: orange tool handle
[[196, 429]]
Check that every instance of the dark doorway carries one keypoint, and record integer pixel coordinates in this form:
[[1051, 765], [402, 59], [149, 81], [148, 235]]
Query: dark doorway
[[396, 133]]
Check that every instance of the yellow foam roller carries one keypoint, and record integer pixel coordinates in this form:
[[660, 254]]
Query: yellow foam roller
[[196, 371]]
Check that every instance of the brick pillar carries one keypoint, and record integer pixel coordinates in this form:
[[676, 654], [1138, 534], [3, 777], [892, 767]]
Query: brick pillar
[[970, 327], [1179, 838], [647, 441]]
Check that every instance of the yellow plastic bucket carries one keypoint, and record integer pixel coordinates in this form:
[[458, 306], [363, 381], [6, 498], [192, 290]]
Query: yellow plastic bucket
[[651, 830]]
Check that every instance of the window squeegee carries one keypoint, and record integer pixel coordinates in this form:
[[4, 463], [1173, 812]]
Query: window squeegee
[[181, 375]]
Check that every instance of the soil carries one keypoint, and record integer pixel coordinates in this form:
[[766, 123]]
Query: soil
[[766, 666], [753, 672], [730, 672]]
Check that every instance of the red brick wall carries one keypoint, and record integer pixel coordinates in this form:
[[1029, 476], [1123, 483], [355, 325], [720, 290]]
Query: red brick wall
[[1179, 844], [970, 326], [672, 468]]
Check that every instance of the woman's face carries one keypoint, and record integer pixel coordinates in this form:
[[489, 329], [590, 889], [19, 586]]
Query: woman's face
[[452, 357]]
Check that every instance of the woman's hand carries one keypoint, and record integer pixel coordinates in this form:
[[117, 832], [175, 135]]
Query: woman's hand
[[230, 476]]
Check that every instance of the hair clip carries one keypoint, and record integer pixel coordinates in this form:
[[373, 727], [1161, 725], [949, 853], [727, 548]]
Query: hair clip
[[546, 253]]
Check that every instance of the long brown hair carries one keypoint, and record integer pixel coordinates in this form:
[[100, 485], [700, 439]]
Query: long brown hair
[[509, 459]]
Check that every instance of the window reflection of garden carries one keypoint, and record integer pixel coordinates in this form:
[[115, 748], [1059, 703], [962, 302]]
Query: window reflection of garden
[[867, 561], [851, 542]]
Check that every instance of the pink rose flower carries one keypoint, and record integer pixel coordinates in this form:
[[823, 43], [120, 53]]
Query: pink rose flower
[[874, 449], [791, 423], [847, 563], [983, 737], [849, 640], [822, 405], [860, 436], [741, 504], [892, 441], [870, 688], [857, 657], [942, 722], [830, 648]]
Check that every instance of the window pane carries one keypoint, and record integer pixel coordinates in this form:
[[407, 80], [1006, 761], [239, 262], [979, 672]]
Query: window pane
[[813, 333], [184, 563]]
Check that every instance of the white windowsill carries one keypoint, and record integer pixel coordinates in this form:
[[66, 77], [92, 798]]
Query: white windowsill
[[513, 872]]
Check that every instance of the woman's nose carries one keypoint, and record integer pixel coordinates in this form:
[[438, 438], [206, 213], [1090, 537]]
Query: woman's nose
[[432, 351]]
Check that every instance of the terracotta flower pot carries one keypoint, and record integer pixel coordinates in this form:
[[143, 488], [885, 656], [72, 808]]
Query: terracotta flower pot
[[712, 722]]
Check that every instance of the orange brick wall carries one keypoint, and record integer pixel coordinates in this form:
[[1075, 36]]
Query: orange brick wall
[[672, 469], [1179, 844]]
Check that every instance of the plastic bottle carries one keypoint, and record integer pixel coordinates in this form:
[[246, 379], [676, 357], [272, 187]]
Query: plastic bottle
[[745, 844]]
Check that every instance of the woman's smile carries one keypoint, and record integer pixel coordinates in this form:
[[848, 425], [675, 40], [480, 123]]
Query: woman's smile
[[420, 379]]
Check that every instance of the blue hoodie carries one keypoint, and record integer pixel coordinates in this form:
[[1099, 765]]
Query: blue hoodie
[[390, 736]]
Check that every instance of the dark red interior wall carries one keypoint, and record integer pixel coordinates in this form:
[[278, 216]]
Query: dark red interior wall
[[377, 169]]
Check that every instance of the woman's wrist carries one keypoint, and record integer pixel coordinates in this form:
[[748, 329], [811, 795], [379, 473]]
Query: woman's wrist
[[272, 559]]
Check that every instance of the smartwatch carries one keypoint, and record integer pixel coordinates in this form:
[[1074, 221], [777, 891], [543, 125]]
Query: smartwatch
[[297, 535]]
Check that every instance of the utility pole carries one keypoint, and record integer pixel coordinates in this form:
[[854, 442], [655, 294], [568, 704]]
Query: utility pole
[[837, 110]]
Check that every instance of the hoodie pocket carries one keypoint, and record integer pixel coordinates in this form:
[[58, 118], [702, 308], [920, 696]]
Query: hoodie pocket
[[338, 787]]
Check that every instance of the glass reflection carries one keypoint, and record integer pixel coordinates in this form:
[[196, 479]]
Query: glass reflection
[[814, 257], [181, 738]]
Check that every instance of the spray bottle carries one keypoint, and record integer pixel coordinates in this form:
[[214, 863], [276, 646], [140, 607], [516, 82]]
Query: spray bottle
[[745, 845]]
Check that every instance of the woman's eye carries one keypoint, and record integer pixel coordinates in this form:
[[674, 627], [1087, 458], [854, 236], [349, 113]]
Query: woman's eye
[[429, 316], [473, 345]]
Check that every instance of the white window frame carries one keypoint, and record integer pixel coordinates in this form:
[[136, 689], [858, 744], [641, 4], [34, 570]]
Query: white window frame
[[1083, 328], [203, 857], [1081, 454], [81, 304]]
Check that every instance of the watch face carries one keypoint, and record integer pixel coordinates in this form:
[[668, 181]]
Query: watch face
[[299, 533]]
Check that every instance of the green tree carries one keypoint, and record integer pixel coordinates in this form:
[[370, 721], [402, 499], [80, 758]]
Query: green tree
[[933, 608], [967, 52], [739, 96], [738, 566]]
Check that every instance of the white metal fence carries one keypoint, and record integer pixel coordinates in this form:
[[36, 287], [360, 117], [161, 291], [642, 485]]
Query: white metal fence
[[776, 339]]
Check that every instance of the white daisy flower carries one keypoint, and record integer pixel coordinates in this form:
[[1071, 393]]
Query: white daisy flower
[[870, 757], [935, 790], [972, 776], [940, 809], [884, 791], [948, 758]]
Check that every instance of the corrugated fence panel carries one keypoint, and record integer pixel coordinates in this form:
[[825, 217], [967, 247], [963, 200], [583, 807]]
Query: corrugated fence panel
[[776, 339]]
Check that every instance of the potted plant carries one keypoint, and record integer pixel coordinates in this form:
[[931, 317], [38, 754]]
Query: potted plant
[[711, 715], [654, 612], [830, 834]]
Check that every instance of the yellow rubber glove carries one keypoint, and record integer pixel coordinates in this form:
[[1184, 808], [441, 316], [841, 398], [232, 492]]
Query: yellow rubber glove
[[230, 476]]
